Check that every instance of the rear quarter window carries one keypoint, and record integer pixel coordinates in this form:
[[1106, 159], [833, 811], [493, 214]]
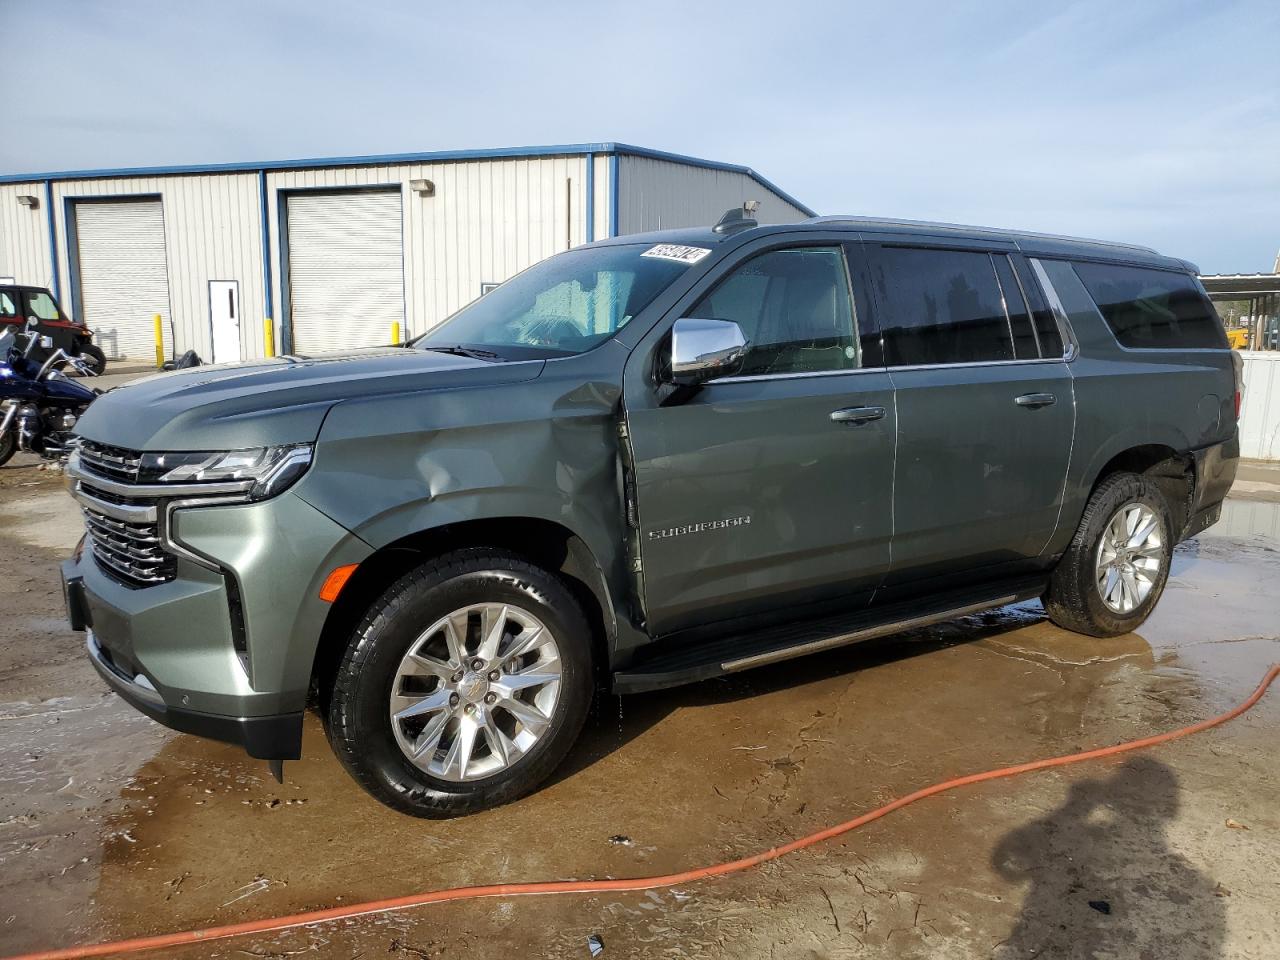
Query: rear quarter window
[[1152, 308]]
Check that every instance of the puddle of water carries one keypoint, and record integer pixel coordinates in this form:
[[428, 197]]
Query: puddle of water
[[63, 765], [1220, 612], [1247, 520]]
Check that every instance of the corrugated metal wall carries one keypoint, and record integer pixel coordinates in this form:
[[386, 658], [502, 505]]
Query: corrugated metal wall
[[660, 194], [489, 219], [24, 235], [1260, 413], [212, 232]]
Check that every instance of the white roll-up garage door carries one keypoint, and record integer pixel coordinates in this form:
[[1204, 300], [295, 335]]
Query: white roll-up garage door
[[124, 274], [346, 269]]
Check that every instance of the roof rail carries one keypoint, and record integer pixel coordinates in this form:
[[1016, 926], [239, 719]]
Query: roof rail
[[968, 228]]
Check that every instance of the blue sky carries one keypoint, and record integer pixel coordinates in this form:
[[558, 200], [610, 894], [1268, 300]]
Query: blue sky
[[1151, 122]]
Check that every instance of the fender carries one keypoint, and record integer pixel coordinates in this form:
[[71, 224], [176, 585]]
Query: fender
[[543, 450]]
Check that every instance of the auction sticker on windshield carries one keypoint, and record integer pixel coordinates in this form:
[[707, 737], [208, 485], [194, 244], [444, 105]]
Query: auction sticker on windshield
[[677, 252]]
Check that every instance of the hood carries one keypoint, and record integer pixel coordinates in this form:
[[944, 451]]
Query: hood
[[283, 400]]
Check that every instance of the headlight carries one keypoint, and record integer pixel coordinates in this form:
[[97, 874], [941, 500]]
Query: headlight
[[272, 470]]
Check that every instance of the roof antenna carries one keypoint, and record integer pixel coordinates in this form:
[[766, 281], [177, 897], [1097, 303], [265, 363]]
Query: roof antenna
[[738, 218]]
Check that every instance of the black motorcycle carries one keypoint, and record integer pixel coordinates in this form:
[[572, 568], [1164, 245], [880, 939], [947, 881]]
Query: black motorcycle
[[39, 404]]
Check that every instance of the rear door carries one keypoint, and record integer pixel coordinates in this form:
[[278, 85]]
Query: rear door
[[985, 410], [771, 489]]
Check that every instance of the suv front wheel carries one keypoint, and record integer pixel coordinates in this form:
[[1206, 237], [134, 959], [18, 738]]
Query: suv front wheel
[[465, 685], [1114, 571]]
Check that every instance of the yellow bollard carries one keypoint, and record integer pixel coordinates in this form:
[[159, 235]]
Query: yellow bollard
[[159, 342], [268, 337], [395, 333]]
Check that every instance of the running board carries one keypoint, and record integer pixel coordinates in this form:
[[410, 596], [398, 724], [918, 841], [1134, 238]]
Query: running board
[[689, 663]]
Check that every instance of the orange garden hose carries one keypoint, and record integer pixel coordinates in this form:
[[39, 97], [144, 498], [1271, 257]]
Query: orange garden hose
[[271, 925]]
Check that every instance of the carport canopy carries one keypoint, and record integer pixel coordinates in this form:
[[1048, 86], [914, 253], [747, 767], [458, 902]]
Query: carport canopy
[[1241, 286], [1262, 290]]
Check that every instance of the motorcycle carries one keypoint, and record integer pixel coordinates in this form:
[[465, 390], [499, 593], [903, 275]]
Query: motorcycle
[[39, 404]]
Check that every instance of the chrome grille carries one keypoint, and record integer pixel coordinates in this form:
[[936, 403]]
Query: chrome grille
[[130, 552], [113, 462], [124, 536]]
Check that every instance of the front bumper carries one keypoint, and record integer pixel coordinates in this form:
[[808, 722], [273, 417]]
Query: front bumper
[[225, 649], [277, 737], [270, 737]]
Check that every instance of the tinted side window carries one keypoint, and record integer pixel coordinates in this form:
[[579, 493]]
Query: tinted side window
[[8, 308], [794, 308], [940, 306], [1152, 308]]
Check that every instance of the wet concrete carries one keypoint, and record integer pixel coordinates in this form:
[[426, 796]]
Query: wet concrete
[[111, 826]]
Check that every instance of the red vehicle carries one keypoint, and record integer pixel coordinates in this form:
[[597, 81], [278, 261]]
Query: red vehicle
[[19, 302]]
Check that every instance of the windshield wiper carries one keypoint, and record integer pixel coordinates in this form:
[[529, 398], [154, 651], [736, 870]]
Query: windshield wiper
[[459, 350]]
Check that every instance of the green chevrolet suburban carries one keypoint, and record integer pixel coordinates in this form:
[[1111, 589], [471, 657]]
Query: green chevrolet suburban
[[643, 462]]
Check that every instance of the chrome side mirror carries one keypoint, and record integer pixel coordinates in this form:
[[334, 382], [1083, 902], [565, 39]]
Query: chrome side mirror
[[703, 350]]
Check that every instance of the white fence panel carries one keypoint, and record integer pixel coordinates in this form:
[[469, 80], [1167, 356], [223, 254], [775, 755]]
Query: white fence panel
[[1260, 414]]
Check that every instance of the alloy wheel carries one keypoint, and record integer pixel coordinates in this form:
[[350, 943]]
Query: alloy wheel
[[475, 691], [1129, 558]]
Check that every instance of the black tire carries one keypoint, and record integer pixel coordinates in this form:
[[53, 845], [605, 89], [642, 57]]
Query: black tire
[[94, 356], [358, 721], [1074, 600], [8, 445]]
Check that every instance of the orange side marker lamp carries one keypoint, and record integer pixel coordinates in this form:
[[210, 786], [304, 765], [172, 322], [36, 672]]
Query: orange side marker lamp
[[335, 581]]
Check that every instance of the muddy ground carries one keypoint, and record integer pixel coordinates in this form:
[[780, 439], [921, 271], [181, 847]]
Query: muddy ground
[[111, 826]]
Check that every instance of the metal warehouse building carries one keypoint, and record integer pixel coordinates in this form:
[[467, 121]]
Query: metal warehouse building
[[333, 252]]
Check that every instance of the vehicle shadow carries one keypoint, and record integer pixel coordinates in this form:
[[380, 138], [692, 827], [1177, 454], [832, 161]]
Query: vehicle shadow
[[1104, 881], [614, 721]]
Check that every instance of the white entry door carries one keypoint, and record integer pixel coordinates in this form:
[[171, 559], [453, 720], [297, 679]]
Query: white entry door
[[224, 314]]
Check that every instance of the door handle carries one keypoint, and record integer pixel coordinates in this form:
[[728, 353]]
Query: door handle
[[857, 415], [1036, 400]]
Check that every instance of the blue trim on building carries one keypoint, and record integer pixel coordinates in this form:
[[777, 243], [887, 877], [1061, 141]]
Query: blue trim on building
[[441, 156], [285, 346], [53, 239], [590, 215], [266, 247], [613, 194], [76, 309]]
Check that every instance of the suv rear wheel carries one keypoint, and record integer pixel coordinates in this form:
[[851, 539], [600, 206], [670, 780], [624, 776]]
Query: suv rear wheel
[[1115, 569], [465, 685]]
